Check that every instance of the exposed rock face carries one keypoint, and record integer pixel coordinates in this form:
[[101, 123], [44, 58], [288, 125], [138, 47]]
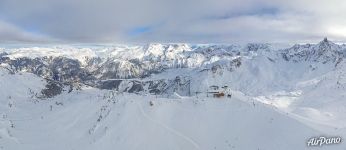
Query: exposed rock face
[[52, 89], [3, 54], [125, 69], [325, 51], [58, 69], [180, 85]]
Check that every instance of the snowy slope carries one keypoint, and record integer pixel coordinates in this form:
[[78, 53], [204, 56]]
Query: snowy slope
[[160, 96], [129, 122]]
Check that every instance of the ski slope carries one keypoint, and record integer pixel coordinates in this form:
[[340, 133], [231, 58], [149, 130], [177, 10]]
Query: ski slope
[[172, 96], [101, 119]]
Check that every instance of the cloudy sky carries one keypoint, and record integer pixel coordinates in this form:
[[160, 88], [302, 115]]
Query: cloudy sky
[[194, 21]]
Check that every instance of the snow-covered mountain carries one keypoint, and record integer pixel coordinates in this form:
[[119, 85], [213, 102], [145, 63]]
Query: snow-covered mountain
[[172, 96]]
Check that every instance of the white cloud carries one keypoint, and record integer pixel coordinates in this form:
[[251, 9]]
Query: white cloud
[[9, 33], [181, 20]]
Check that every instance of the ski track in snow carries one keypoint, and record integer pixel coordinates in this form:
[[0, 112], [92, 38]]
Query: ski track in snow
[[177, 133], [307, 88]]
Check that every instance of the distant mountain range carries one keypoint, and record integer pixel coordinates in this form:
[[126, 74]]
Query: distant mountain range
[[134, 68]]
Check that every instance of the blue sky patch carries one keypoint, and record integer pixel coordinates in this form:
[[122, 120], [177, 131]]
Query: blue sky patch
[[139, 30]]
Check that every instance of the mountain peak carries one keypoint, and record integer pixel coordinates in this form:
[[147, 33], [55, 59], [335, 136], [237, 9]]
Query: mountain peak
[[324, 51], [325, 39]]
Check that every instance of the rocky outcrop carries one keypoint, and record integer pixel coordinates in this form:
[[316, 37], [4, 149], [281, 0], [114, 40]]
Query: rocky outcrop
[[323, 52], [180, 85]]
